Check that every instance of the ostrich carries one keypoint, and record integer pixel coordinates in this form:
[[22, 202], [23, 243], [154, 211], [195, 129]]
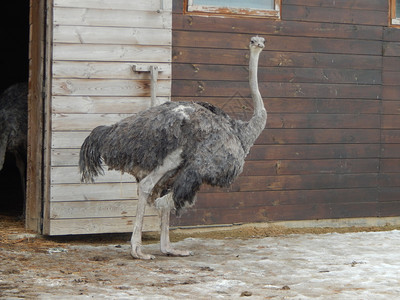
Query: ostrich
[[13, 126], [173, 148]]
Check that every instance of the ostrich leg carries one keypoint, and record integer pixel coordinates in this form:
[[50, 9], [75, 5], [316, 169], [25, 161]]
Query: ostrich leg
[[146, 185], [164, 204], [136, 240]]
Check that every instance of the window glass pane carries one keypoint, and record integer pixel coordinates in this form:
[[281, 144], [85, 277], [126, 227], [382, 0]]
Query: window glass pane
[[252, 4], [397, 8]]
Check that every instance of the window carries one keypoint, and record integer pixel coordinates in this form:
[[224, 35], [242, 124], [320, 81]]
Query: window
[[395, 11], [261, 8]]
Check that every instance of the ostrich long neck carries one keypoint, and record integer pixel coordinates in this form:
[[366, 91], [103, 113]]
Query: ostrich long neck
[[253, 81], [255, 126]]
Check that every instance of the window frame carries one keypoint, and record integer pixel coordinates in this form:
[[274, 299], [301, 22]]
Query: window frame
[[190, 8], [393, 20]]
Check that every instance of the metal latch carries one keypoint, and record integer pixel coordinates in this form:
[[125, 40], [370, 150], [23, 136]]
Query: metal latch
[[154, 70]]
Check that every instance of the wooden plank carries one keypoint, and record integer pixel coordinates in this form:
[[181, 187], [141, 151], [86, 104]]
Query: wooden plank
[[390, 136], [112, 17], [388, 194], [257, 199], [328, 151], [391, 34], [93, 192], [271, 27], [68, 139], [277, 213], [99, 52], [391, 49], [389, 209], [322, 105], [275, 43], [106, 87], [111, 35], [319, 136], [334, 15], [390, 122], [64, 157], [390, 150], [104, 70], [323, 121], [302, 167], [389, 179], [276, 74], [101, 105], [70, 175], [390, 78], [187, 88], [117, 4], [390, 107], [100, 225], [34, 183], [280, 58], [296, 182], [96, 209], [391, 63], [391, 165], [72, 122], [375, 5]]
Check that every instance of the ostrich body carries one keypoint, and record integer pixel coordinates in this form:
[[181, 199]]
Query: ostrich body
[[13, 126], [172, 149]]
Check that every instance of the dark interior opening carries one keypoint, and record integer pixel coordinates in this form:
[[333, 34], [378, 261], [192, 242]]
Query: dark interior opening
[[12, 198], [14, 61]]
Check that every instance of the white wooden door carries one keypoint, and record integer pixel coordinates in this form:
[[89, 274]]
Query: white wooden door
[[95, 43]]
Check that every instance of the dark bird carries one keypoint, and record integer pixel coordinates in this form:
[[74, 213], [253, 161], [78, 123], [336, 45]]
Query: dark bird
[[13, 126], [172, 149]]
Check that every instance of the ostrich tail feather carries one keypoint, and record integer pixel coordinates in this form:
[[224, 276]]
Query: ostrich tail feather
[[90, 155]]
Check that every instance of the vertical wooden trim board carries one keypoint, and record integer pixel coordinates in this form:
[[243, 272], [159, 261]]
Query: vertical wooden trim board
[[94, 46]]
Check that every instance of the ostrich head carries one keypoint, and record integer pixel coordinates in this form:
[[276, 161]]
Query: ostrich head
[[257, 44]]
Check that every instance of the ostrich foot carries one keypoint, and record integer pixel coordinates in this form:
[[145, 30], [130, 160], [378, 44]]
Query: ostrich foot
[[174, 252], [136, 252]]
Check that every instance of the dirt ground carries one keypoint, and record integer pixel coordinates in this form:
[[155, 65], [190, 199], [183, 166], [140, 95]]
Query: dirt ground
[[247, 262]]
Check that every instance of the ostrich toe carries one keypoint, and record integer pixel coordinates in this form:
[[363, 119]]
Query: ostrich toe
[[136, 252]]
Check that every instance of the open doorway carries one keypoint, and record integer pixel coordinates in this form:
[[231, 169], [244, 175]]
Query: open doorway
[[14, 61]]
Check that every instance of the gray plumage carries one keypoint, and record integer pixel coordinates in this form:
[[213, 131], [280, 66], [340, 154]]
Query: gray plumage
[[214, 147], [13, 124], [172, 149]]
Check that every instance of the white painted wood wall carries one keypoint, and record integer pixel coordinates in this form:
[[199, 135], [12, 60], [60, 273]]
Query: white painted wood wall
[[95, 45]]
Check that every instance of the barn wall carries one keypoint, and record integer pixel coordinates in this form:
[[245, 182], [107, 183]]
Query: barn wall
[[389, 180], [94, 46], [329, 79]]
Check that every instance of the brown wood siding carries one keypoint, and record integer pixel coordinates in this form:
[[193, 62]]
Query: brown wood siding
[[389, 179], [329, 78]]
